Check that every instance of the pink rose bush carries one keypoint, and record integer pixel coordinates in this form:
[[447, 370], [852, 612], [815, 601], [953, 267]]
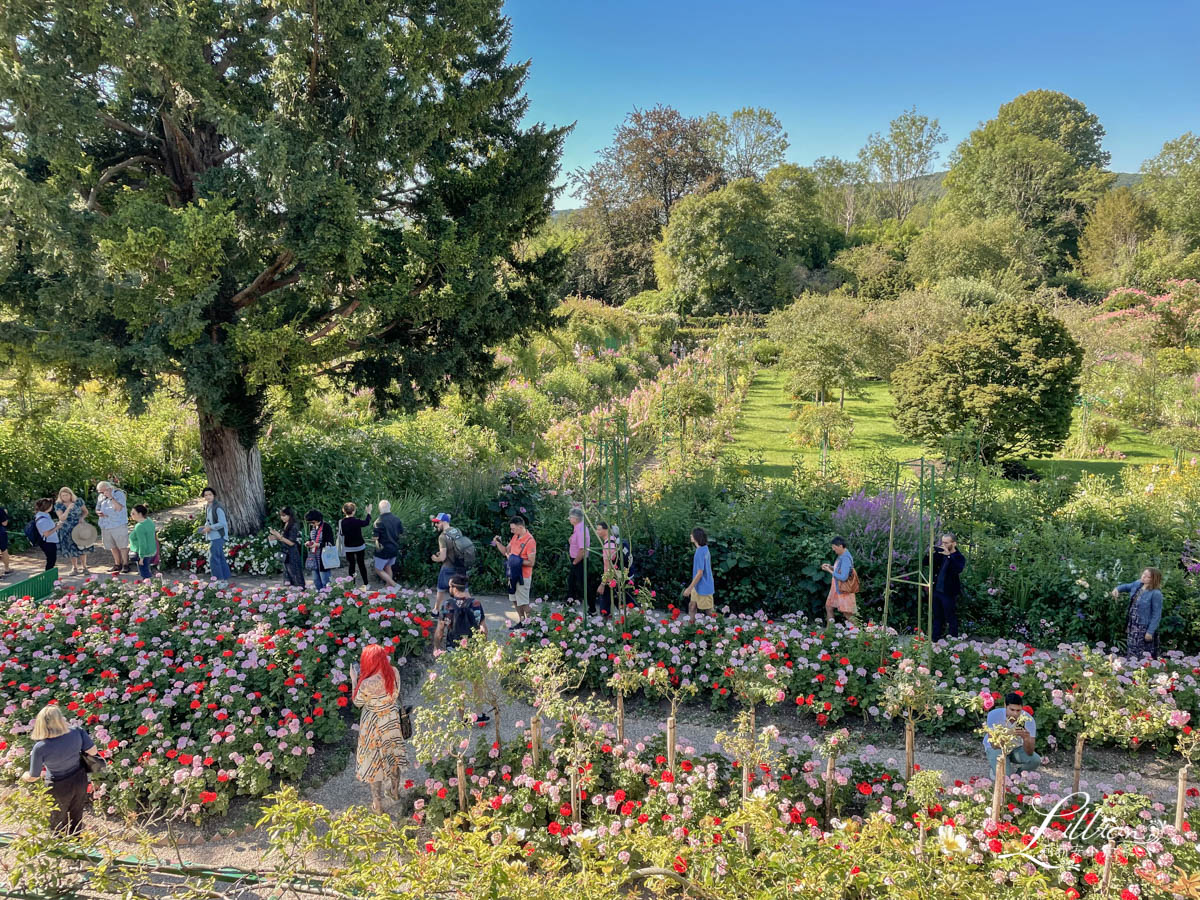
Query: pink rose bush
[[194, 694]]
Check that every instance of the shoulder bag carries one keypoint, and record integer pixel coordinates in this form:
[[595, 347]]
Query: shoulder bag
[[330, 558]]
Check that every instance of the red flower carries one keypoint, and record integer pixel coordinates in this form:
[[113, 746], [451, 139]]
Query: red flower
[[864, 789], [142, 730], [207, 796], [680, 865], [554, 828]]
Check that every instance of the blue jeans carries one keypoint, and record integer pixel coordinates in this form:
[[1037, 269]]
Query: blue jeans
[[216, 560], [143, 567], [320, 578], [1018, 760]]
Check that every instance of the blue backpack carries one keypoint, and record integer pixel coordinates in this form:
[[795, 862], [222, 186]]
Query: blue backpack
[[33, 535]]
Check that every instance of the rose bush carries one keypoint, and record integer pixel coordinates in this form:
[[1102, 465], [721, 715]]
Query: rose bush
[[195, 694]]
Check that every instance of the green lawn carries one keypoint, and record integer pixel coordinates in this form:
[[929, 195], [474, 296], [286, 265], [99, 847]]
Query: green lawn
[[765, 427]]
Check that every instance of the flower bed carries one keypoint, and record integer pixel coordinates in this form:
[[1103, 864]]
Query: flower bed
[[832, 674], [180, 547], [195, 694], [860, 829]]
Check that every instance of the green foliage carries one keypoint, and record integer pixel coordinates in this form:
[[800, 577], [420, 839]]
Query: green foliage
[[1172, 181], [896, 160], [903, 328], [245, 200], [822, 426], [996, 251], [821, 347], [1013, 374], [749, 143], [874, 271], [1036, 161], [1116, 227]]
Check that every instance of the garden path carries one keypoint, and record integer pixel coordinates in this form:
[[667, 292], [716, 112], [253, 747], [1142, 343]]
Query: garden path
[[342, 790]]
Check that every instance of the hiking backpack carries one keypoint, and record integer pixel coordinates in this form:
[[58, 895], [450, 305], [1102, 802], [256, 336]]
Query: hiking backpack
[[465, 554]]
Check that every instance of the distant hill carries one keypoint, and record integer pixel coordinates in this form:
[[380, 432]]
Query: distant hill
[[931, 185]]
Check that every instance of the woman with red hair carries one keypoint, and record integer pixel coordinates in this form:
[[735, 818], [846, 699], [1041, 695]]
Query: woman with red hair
[[381, 758]]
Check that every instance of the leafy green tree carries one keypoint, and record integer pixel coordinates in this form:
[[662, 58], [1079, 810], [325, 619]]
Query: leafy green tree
[[1012, 374], [800, 235], [1172, 181], [874, 271], [1038, 160], [896, 331], [735, 248], [685, 401], [996, 250], [823, 345], [749, 143], [1115, 229], [842, 190], [896, 160], [241, 197], [718, 253], [1061, 119]]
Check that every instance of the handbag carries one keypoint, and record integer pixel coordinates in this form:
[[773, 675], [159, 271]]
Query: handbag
[[406, 725], [851, 584], [330, 558], [341, 541], [92, 764]]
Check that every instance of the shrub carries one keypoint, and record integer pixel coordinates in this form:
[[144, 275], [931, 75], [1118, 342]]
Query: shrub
[[766, 353], [874, 271], [1013, 375]]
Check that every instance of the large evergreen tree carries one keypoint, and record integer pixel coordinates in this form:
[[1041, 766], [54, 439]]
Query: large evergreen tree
[[237, 196]]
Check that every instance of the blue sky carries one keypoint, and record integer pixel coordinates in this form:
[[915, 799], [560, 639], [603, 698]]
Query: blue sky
[[834, 72]]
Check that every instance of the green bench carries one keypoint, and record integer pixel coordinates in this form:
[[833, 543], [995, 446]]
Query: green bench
[[38, 587]]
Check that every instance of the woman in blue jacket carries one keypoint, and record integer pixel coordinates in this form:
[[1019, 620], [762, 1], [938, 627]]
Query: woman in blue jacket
[[1145, 613]]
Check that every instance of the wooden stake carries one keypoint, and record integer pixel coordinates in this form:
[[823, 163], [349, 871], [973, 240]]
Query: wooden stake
[[1106, 875], [620, 717], [998, 788], [535, 731], [575, 794], [828, 790], [671, 743], [910, 738], [461, 772], [1079, 742], [1181, 798]]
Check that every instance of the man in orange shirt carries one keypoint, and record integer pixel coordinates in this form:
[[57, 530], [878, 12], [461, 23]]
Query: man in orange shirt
[[520, 555]]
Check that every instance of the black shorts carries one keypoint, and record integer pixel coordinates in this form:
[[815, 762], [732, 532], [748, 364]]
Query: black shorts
[[3, 539]]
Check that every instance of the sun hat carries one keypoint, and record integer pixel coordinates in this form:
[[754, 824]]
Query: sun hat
[[85, 535]]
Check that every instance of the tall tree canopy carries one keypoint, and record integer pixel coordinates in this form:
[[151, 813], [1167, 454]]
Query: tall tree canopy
[[237, 196], [1172, 181], [749, 143], [894, 161], [1040, 161]]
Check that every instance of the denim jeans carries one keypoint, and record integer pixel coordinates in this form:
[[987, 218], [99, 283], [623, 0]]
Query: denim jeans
[[143, 567], [320, 578], [216, 560]]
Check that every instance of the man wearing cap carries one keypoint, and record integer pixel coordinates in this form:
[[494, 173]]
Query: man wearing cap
[[447, 555]]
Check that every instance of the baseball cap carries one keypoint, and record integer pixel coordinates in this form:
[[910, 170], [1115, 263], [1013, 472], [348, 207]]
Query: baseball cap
[[440, 517]]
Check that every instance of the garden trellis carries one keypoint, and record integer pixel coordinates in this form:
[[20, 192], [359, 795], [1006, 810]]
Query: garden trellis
[[608, 488], [937, 482]]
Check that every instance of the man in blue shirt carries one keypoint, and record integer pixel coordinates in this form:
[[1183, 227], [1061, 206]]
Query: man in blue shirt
[[1014, 715], [703, 587], [111, 507]]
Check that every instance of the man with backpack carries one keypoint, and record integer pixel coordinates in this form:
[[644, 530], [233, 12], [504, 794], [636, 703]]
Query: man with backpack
[[456, 553], [460, 617]]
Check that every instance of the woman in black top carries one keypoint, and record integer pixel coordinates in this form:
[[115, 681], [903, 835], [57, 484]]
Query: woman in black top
[[351, 529], [291, 538], [320, 536], [4, 542]]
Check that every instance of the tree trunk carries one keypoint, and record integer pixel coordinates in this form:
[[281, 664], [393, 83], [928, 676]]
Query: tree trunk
[[235, 474], [460, 772], [535, 733], [671, 743]]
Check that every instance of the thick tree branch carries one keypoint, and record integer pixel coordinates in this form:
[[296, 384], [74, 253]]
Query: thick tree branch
[[110, 173], [112, 122], [268, 280], [331, 320]]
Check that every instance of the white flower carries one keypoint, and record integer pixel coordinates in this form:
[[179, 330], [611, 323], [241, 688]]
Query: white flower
[[950, 842]]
